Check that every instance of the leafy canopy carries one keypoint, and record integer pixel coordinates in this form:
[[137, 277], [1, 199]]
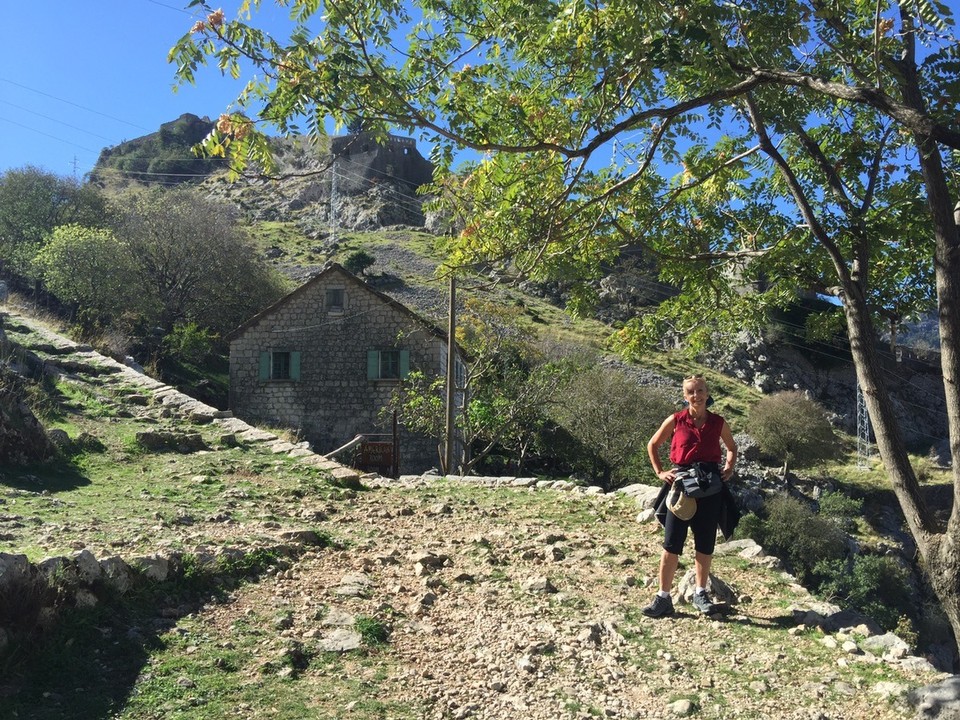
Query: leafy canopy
[[653, 127]]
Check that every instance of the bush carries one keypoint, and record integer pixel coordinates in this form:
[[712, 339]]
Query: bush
[[793, 532], [372, 630], [792, 428], [876, 586], [613, 416], [189, 343], [750, 526], [358, 261], [836, 504], [842, 509]]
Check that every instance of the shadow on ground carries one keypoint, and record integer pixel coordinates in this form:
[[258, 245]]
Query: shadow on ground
[[87, 666]]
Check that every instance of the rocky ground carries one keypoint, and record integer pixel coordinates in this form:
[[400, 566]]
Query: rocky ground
[[505, 599], [501, 606]]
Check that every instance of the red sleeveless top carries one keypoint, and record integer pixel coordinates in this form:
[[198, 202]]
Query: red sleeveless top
[[691, 444]]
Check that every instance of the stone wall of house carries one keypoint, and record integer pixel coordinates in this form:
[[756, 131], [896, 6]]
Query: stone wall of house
[[333, 400]]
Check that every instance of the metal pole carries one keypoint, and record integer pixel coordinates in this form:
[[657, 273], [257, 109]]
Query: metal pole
[[396, 447], [451, 377]]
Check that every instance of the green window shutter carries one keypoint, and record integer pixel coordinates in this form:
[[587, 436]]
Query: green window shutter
[[264, 366], [373, 364], [404, 363], [295, 365]]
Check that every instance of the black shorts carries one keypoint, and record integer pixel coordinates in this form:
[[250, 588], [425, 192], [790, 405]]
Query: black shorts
[[704, 524]]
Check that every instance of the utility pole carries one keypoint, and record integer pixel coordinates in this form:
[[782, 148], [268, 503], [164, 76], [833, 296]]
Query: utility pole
[[448, 454], [333, 201]]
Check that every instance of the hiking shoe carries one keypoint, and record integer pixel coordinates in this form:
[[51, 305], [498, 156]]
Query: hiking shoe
[[702, 602], [660, 607]]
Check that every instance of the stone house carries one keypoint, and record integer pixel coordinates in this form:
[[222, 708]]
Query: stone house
[[325, 359]]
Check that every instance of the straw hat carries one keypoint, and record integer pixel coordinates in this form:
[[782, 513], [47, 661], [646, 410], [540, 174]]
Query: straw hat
[[681, 504]]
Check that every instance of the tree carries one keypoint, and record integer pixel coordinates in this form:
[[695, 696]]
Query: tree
[[193, 261], [793, 428], [809, 141], [90, 269], [32, 203], [610, 413], [510, 384]]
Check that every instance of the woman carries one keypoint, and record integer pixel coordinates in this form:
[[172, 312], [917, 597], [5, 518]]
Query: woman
[[695, 435]]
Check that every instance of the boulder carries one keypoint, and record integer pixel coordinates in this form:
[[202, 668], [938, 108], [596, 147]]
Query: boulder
[[22, 438], [940, 700]]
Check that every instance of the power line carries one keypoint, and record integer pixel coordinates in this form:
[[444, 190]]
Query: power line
[[53, 119], [70, 102], [172, 7], [53, 137]]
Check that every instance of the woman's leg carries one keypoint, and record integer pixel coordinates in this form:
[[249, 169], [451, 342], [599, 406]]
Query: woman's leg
[[668, 569], [702, 568]]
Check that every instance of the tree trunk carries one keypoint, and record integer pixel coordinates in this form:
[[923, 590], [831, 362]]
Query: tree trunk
[[938, 552], [943, 563], [938, 546]]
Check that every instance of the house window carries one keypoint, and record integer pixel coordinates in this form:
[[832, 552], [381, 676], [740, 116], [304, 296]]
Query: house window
[[279, 365], [388, 364], [335, 298]]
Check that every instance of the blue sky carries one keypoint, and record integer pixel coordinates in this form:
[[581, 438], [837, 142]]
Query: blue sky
[[80, 75]]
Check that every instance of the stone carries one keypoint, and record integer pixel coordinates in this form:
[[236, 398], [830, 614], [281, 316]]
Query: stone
[[309, 538], [22, 437], [88, 568], [539, 585], [940, 700], [153, 567], [355, 585], [888, 690], [59, 438], [645, 516], [335, 617], [59, 571], [681, 708], [160, 440], [429, 560], [718, 589], [14, 569], [117, 573], [886, 645]]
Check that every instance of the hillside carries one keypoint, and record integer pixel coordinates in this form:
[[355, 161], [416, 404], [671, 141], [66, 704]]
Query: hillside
[[329, 198], [164, 157], [293, 589]]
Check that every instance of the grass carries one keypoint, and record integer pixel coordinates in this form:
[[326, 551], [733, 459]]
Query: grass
[[187, 650], [132, 658]]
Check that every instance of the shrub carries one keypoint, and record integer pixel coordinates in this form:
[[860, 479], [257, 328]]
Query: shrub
[[371, 630], [358, 261], [836, 504], [790, 427], [876, 586], [840, 508], [793, 532], [750, 526], [189, 343], [613, 416]]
